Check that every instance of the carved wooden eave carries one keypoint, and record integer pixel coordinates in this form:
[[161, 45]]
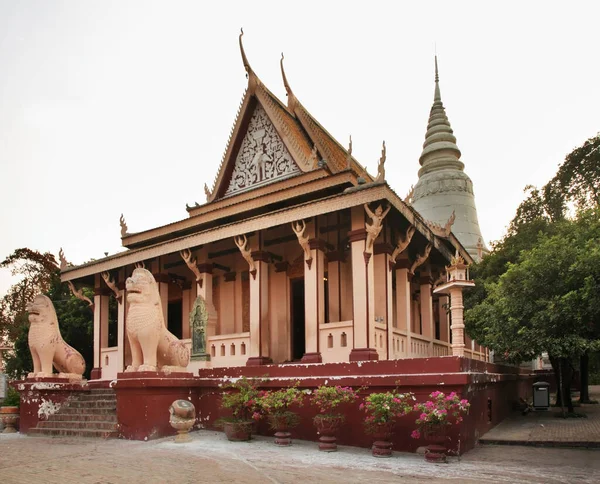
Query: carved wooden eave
[[244, 203], [356, 197]]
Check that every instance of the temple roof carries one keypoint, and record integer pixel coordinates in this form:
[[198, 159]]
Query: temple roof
[[310, 145]]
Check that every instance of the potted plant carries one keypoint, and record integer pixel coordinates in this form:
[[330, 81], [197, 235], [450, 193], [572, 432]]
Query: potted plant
[[435, 416], [382, 410], [10, 410], [327, 421], [242, 398], [276, 405]]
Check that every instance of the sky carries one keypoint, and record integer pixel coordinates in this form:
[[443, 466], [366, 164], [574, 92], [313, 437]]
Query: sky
[[110, 107]]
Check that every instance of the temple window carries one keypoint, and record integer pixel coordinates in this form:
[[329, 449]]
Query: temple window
[[212, 351], [343, 340], [222, 350], [232, 350], [243, 349], [330, 341]]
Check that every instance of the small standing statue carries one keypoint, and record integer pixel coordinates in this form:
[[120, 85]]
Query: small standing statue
[[374, 228], [198, 322], [299, 228], [403, 242]]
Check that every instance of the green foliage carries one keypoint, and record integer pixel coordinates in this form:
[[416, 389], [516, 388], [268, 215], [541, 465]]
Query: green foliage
[[548, 300], [279, 401], [13, 399], [243, 399], [328, 398], [385, 407]]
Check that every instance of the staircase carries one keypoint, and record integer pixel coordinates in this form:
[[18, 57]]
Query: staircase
[[92, 414]]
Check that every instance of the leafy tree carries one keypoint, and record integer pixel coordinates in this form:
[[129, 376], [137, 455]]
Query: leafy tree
[[548, 300]]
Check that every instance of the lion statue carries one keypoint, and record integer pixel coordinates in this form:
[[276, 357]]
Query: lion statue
[[47, 346], [152, 345]]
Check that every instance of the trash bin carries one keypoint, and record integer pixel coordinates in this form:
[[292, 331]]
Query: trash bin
[[541, 395]]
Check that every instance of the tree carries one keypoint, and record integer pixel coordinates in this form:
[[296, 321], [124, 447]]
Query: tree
[[547, 301]]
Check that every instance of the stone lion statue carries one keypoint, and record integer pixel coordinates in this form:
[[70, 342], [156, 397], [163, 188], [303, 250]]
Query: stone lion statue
[[47, 346], [153, 347]]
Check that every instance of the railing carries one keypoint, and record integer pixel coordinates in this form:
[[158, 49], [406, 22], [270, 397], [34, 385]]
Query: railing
[[419, 346], [228, 349], [441, 348], [336, 340], [399, 342], [380, 340], [109, 362]]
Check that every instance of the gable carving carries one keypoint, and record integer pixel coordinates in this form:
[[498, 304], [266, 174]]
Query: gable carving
[[262, 158]]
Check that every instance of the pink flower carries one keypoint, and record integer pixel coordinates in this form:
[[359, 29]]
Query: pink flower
[[464, 402], [256, 416], [361, 406], [429, 405], [423, 416], [435, 394], [415, 434]]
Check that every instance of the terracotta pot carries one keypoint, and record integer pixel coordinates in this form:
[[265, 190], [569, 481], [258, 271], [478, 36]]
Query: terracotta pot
[[436, 436], [382, 439], [327, 427], [10, 418], [282, 423], [238, 431]]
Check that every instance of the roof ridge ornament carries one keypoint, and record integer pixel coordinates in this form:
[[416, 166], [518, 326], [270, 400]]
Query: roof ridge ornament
[[124, 232], [444, 231], [381, 166], [349, 156], [253, 81], [437, 96], [292, 100]]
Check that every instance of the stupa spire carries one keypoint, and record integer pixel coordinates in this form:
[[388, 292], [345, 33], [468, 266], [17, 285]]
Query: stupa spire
[[443, 187]]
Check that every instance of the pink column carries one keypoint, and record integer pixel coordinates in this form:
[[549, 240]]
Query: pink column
[[427, 309], [259, 311], [458, 327], [404, 301], [362, 289], [314, 301], [384, 305]]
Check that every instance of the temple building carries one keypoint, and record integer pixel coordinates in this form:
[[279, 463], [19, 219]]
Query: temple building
[[444, 191], [298, 254]]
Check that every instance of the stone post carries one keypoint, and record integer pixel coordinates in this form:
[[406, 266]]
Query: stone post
[[362, 289], [259, 310], [458, 327], [404, 301], [314, 300]]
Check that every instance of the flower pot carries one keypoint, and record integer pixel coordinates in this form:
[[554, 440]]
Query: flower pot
[[281, 423], [238, 431], [10, 417], [435, 435], [382, 439], [327, 427]]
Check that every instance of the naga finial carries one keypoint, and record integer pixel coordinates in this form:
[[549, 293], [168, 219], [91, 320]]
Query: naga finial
[[408, 199], [380, 166], [244, 58], [123, 226], [63, 262], [207, 192], [288, 90], [349, 156]]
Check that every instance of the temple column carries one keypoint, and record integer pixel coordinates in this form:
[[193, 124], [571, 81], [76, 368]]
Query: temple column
[[404, 301], [227, 303], [458, 327], [443, 315], [363, 297], [314, 300], [334, 280], [96, 372], [259, 310], [383, 308], [186, 308], [204, 288], [121, 316], [427, 310]]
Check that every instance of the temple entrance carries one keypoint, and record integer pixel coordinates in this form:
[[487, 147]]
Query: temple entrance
[[298, 336], [174, 316]]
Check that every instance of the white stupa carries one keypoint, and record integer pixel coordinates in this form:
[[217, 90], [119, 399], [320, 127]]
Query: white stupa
[[443, 186]]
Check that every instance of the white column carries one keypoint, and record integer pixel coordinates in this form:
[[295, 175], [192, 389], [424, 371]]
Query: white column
[[458, 327]]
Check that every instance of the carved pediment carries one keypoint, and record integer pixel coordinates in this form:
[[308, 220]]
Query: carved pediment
[[263, 158]]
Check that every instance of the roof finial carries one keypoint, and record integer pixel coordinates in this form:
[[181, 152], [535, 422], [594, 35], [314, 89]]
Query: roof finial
[[288, 90], [244, 58], [437, 96]]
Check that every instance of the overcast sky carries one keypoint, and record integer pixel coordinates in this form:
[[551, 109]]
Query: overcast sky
[[126, 106]]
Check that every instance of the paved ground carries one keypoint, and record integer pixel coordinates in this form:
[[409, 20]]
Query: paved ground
[[210, 458], [545, 429]]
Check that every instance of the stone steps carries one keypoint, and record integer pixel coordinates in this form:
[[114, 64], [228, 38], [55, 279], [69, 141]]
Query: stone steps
[[92, 414], [104, 434]]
